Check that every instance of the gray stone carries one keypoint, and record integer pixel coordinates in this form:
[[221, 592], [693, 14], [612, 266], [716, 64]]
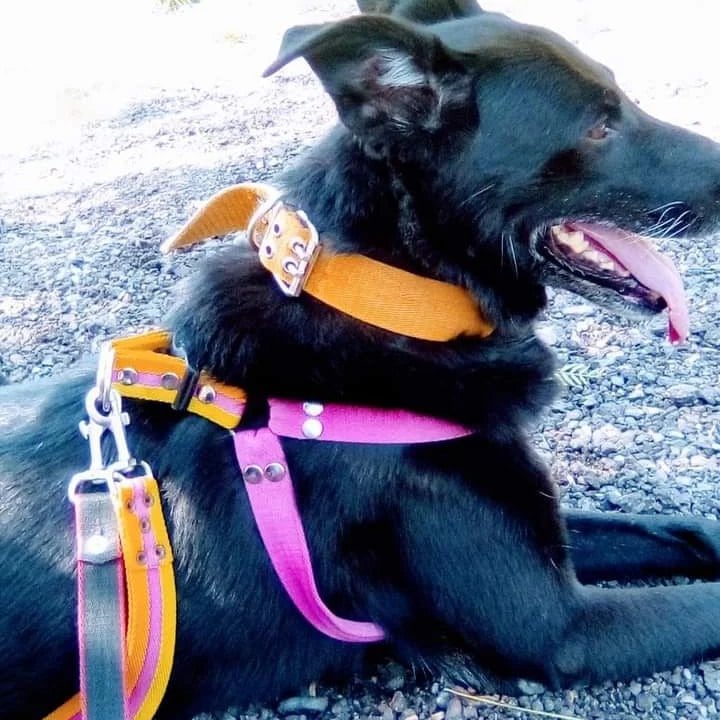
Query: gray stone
[[683, 394], [711, 676], [303, 704]]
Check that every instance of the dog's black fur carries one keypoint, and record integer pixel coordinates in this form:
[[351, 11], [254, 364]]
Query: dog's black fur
[[465, 136]]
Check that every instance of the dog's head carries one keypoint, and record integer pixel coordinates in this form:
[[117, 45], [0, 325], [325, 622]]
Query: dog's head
[[528, 164]]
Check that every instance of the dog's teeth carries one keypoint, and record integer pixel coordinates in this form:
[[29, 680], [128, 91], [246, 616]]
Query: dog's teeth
[[595, 257], [575, 240]]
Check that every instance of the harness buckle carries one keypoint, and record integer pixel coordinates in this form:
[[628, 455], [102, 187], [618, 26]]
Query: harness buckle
[[186, 389], [287, 243]]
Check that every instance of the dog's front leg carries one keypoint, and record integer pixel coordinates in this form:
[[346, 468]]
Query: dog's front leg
[[491, 567], [606, 546]]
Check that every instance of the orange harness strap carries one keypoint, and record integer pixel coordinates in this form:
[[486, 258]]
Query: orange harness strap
[[142, 369], [371, 291]]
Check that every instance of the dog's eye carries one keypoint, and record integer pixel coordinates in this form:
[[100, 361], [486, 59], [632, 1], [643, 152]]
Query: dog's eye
[[599, 131]]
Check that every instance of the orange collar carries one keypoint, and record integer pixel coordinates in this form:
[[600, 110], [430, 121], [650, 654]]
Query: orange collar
[[373, 292]]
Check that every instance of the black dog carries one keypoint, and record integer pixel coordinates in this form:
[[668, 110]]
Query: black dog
[[481, 152]]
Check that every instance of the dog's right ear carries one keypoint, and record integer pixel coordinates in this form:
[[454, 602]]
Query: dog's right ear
[[422, 11], [389, 79]]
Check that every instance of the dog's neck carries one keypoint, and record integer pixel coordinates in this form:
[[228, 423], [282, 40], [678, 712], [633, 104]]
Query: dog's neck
[[386, 208], [284, 348]]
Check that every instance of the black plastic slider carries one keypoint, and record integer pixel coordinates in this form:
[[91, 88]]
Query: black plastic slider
[[186, 389]]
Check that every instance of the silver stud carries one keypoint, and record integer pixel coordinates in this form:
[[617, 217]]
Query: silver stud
[[253, 474], [144, 525], [96, 545], [141, 558], [275, 471], [160, 551], [207, 394], [313, 409], [127, 376], [170, 381], [312, 428]]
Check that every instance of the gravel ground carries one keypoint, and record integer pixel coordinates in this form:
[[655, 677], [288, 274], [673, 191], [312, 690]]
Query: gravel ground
[[116, 126]]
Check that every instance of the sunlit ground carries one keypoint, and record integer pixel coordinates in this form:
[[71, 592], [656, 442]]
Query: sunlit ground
[[68, 62]]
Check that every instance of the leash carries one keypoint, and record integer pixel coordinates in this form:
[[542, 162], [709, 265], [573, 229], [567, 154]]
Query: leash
[[126, 610], [126, 589]]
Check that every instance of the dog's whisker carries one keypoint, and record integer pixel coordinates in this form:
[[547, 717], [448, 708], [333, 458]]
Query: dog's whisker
[[511, 247], [477, 193], [673, 229], [679, 231], [665, 209], [654, 230], [666, 206]]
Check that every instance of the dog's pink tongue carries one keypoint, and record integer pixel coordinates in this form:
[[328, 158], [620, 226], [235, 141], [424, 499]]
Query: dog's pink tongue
[[654, 270]]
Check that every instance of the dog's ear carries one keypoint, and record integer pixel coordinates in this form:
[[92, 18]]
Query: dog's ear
[[422, 11], [389, 79]]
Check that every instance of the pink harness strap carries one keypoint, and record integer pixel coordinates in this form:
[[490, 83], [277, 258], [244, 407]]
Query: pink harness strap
[[272, 499], [358, 424], [270, 490]]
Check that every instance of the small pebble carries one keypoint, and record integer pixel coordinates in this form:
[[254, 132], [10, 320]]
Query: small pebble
[[301, 704]]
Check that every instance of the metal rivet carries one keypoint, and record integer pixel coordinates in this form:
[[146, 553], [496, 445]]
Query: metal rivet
[[207, 394], [253, 473], [141, 557], [276, 229], [275, 471], [291, 267], [313, 409], [312, 428], [297, 245], [127, 376], [148, 500], [160, 551], [145, 525], [129, 505], [170, 381], [96, 545]]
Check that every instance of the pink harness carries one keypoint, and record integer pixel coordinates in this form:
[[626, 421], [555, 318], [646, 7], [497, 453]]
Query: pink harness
[[270, 490]]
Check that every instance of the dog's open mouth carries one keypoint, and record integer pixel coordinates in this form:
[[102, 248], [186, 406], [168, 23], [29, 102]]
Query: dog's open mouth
[[624, 262]]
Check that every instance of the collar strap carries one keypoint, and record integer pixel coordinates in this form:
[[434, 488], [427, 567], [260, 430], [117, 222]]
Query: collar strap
[[371, 291]]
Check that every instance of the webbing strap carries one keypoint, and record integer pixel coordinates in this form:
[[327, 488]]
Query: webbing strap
[[371, 291], [101, 608], [151, 594], [272, 498]]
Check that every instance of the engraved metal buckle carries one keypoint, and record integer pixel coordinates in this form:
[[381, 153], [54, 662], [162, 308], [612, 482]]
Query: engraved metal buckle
[[287, 244]]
